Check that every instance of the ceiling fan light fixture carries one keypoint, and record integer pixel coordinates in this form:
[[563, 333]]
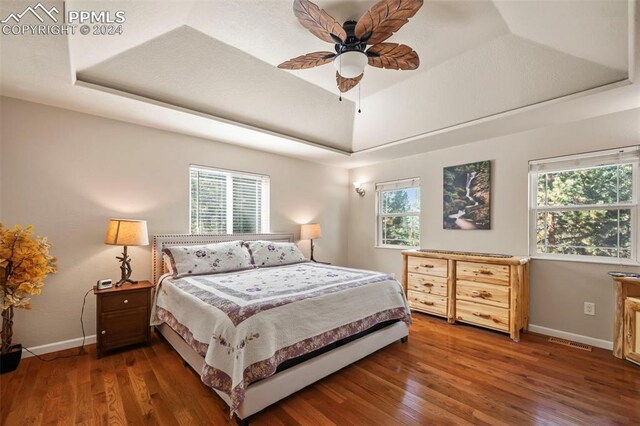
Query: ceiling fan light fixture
[[357, 43], [350, 64]]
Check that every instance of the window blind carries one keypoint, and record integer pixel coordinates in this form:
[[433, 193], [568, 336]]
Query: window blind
[[592, 159], [247, 202], [228, 202], [398, 184]]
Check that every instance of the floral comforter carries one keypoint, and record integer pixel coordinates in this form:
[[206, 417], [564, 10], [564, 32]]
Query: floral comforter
[[246, 323]]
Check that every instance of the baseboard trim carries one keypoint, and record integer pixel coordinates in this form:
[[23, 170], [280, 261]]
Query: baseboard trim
[[59, 346], [599, 343]]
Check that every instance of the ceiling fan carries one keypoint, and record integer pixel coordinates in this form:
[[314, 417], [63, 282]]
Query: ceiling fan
[[352, 38]]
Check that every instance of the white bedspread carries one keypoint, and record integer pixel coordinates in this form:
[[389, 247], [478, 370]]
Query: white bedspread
[[247, 323]]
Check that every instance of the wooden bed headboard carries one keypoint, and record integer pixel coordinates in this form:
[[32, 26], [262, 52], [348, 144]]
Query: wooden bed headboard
[[161, 241]]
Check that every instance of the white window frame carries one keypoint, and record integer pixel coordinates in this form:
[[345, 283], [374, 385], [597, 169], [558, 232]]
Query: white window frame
[[627, 155], [393, 186], [229, 175]]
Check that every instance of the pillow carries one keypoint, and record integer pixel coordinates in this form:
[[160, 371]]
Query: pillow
[[166, 261], [208, 259], [267, 253]]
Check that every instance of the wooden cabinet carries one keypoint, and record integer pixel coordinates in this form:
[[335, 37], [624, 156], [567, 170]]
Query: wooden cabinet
[[485, 290], [626, 339], [122, 316], [632, 327]]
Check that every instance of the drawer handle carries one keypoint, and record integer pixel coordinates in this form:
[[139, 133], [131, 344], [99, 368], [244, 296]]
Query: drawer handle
[[126, 301], [483, 294], [483, 272], [425, 265], [104, 332], [429, 303], [427, 284], [481, 315]]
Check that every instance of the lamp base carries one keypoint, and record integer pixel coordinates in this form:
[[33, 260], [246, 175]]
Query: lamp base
[[125, 268], [124, 281], [316, 261]]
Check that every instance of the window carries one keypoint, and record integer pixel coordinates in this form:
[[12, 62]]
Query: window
[[398, 213], [227, 202], [585, 207]]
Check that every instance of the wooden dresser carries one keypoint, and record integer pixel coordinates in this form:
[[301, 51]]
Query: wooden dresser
[[485, 290], [123, 315], [626, 333]]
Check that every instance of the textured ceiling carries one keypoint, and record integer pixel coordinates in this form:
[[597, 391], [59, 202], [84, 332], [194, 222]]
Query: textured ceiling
[[187, 68], [476, 84], [217, 60]]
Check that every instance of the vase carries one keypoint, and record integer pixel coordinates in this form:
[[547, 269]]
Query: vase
[[10, 360]]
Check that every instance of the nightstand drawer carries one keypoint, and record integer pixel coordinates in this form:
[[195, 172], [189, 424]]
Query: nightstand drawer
[[424, 265], [124, 328], [427, 284], [125, 300], [486, 294], [483, 272], [483, 315], [429, 303]]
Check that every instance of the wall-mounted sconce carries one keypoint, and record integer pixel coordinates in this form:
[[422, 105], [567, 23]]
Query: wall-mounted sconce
[[359, 189]]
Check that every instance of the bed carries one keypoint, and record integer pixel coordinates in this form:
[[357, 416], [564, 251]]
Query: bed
[[258, 335]]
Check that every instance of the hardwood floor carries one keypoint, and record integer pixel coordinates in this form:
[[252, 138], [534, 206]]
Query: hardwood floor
[[444, 375]]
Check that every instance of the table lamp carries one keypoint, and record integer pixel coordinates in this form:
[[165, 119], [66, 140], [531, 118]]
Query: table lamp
[[310, 231], [126, 232]]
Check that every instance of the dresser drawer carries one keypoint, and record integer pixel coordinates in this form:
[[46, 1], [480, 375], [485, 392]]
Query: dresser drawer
[[483, 272], [427, 284], [124, 328], [486, 294], [124, 300], [430, 303], [483, 315], [428, 266]]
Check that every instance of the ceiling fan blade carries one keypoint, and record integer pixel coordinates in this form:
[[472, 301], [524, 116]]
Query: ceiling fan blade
[[346, 84], [319, 22], [393, 56], [309, 60], [385, 18]]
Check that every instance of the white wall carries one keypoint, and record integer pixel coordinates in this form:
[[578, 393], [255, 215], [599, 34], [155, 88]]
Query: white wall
[[558, 289], [66, 173]]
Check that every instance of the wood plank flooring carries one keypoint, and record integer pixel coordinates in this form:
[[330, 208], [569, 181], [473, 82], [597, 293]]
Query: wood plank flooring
[[444, 375]]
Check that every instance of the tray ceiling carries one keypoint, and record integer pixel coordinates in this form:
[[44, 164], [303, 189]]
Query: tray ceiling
[[479, 58]]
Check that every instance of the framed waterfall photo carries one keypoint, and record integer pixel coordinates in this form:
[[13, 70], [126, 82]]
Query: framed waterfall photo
[[467, 196]]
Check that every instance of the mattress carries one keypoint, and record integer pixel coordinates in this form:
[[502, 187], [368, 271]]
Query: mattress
[[250, 324]]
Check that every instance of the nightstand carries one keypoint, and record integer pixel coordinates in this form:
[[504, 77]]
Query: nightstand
[[122, 315]]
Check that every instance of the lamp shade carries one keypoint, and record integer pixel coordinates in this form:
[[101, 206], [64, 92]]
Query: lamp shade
[[127, 232], [350, 64], [310, 231]]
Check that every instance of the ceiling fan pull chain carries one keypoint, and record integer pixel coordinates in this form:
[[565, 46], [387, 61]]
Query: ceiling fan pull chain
[[359, 85], [340, 65]]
